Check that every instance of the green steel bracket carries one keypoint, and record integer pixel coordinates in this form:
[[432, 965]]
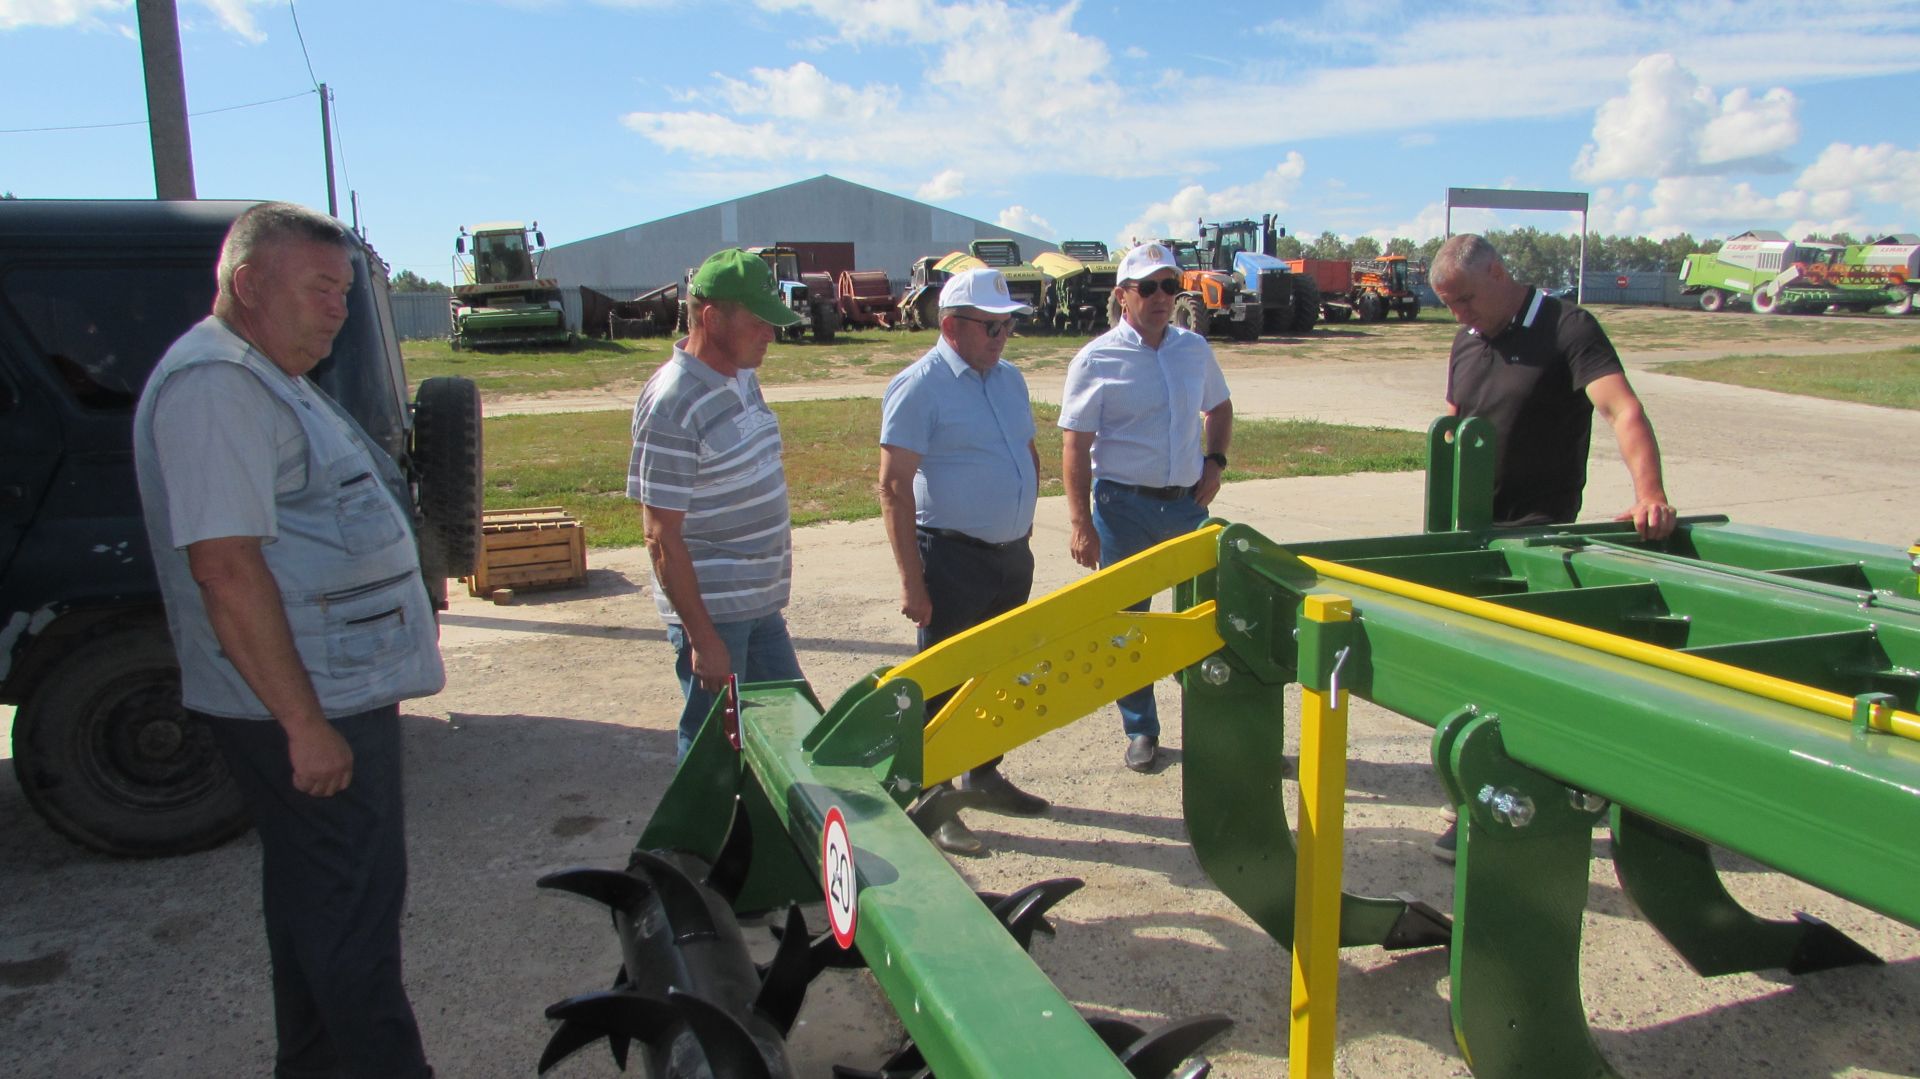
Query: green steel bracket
[[1670, 876], [697, 810], [1235, 733], [1460, 458], [877, 726], [1520, 888]]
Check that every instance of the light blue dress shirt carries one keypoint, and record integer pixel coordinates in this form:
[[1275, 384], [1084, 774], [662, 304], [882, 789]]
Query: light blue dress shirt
[[972, 433], [1143, 405]]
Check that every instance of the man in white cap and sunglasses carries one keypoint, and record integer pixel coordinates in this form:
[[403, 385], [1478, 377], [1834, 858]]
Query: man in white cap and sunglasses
[[959, 474], [706, 471], [1147, 421]]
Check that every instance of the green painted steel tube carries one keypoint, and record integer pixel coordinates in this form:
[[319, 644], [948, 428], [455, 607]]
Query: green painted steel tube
[[973, 1001]]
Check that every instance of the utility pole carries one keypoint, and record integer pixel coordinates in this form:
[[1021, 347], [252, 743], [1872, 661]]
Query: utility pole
[[166, 100], [326, 143]]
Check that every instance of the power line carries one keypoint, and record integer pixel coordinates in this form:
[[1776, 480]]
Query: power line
[[303, 44], [143, 123]]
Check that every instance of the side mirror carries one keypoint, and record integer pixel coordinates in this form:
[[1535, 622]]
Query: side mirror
[[460, 244], [538, 239]]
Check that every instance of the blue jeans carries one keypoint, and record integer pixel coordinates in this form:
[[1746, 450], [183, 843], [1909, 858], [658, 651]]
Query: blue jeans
[[1129, 522], [758, 650]]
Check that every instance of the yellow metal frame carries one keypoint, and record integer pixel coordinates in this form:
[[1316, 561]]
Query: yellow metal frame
[[1044, 665], [1321, 840]]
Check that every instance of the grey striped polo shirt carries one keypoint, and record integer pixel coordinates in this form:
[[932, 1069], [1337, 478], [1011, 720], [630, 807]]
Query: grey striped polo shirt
[[709, 446]]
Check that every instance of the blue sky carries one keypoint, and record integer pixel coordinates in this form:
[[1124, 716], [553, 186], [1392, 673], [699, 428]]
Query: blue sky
[[1094, 120]]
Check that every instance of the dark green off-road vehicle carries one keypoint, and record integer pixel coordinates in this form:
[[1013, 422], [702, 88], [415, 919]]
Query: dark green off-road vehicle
[[91, 295]]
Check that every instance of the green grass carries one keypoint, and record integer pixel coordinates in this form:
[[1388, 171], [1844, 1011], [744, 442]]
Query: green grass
[[579, 460], [597, 365], [1889, 377]]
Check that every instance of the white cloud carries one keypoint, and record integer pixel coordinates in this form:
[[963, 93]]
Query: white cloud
[[1669, 124], [1881, 173], [1179, 215], [707, 135], [1020, 219], [1417, 138], [237, 16], [946, 184], [801, 92], [84, 14]]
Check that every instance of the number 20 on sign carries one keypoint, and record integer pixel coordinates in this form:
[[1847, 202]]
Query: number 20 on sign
[[836, 878]]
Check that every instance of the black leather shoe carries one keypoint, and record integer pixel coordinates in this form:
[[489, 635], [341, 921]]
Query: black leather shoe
[[1449, 841], [1141, 749], [954, 837], [997, 794]]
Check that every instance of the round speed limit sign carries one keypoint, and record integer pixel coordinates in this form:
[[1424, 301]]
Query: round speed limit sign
[[836, 878]]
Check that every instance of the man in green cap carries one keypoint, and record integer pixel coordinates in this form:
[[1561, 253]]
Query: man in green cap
[[706, 471]]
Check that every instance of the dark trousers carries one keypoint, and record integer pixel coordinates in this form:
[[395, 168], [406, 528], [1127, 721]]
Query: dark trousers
[[333, 886], [969, 584]]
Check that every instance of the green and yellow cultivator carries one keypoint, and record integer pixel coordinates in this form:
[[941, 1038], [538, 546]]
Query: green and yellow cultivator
[[1732, 686]]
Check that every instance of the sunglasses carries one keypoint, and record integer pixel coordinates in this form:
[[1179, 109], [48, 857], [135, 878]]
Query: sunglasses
[[993, 327], [1168, 285]]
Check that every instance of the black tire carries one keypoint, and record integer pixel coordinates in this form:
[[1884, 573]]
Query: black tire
[[1410, 310], [1713, 300], [1903, 306], [1278, 316], [1247, 329], [447, 456], [1189, 313], [826, 321], [1766, 302], [106, 754], [1336, 312], [1371, 308], [1306, 304]]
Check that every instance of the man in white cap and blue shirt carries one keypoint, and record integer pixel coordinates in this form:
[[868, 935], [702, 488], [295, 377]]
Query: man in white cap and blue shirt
[[1147, 421], [959, 474]]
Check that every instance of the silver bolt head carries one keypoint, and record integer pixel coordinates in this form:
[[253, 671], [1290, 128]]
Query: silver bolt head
[[1585, 801], [1215, 671]]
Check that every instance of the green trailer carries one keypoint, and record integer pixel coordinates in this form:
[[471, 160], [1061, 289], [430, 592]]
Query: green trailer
[[1730, 687]]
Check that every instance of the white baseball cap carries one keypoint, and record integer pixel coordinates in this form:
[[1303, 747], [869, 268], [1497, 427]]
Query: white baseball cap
[[983, 289], [1145, 261]]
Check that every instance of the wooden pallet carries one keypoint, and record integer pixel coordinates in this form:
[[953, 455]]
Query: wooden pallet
[[539, 547]]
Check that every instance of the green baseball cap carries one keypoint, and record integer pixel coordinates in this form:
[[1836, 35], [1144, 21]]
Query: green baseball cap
[[745, 279]]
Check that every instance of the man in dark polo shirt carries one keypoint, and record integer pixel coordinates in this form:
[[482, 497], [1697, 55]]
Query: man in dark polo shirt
[[1539, 368]]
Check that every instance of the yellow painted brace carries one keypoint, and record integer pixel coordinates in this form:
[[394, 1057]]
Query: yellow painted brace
[[1820, 701], [1316, 890], [1044, 665]]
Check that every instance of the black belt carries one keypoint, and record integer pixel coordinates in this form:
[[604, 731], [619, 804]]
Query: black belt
[[1164, 494], [971, 541]]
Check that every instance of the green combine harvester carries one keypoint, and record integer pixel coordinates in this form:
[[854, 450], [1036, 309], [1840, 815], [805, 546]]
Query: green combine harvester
[[1028, 283], [501, 301], [1731, 686], [1774, 275]]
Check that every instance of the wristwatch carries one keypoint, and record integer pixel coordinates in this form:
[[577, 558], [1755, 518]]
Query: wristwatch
[[1218, 459]]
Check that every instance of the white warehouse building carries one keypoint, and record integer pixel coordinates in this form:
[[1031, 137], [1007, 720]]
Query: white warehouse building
[[836, 225]]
